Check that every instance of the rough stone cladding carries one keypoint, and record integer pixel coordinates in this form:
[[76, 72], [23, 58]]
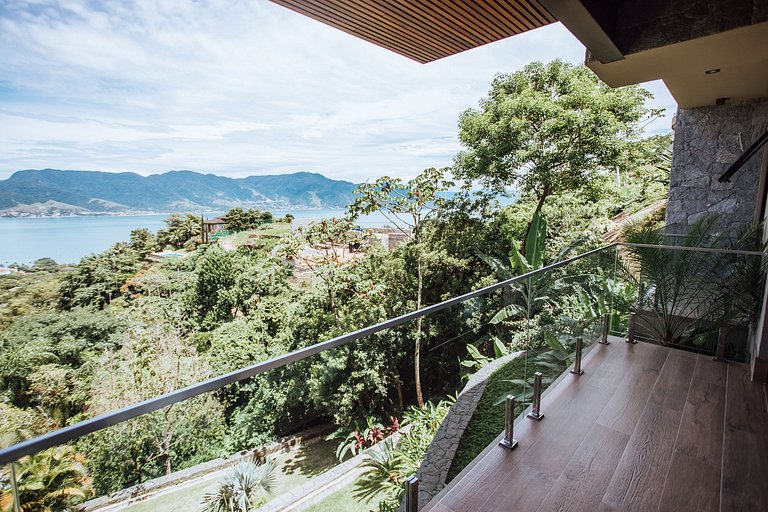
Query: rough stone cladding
[[707, 141], [433, 471]]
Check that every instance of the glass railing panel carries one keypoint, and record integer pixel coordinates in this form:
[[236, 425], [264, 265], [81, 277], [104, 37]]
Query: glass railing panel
[[694, 298], [323, 409]]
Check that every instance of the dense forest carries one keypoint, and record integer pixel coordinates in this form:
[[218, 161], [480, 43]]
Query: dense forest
[[115, 329]]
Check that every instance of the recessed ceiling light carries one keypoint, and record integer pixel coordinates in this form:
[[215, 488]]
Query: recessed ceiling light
[[712, 71]]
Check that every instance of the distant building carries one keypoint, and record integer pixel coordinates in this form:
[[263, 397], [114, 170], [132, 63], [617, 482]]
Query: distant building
[[211, 226], [389, 239]]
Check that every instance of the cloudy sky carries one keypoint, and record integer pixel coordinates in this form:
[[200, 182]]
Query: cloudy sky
[[235, 88]]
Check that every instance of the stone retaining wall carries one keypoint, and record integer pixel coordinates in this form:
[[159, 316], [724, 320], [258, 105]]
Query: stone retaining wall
[[433, 471]]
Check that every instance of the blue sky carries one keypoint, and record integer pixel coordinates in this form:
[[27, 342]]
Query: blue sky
[[235, 88]]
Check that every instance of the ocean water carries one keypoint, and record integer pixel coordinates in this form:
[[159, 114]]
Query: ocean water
[[67, 239]]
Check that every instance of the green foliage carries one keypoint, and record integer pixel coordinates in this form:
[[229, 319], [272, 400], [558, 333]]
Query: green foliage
[[51, 352], [180, 231], [231, 284], [548, 129], [23, 294], [52, 480], [383, 474], [389, 464], [143, 241], [409, 206], [242, 488], [238, 219], [477, 360], [98, 279], [689, 293], [363, 438], [323, 247], [152, 360]]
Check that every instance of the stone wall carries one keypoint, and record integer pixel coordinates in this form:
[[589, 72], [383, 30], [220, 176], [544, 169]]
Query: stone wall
[[707, 141], [644, 24], [433, 471]]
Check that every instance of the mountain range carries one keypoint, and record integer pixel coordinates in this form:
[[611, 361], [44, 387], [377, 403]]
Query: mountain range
[[50, 192]]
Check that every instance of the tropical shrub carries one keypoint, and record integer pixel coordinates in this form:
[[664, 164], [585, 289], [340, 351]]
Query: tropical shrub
[[245, 488]]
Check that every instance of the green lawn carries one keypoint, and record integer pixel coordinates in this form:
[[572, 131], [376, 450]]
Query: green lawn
[[343, 501], [488, 420], [261, 238], [294, 468]]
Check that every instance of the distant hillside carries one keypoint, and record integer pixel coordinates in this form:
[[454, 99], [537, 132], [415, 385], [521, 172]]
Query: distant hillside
[[56, 192]]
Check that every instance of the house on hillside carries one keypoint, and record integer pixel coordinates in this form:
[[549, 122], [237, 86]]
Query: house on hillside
[[212, 226]]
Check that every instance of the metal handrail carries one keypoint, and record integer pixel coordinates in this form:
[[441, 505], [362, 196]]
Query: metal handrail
[[739, 163], [72, 432], [693, 248]]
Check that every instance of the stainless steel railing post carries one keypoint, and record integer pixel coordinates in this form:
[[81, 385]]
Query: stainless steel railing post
[[577, 360], [631, 329], [720, 350], [509, 440], [15, 489], [536, 413], [606, 329], [412, 494]]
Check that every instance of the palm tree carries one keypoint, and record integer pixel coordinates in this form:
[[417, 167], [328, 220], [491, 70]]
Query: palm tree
[[384, 473], [686, 294], [240, 489], [50, 481]]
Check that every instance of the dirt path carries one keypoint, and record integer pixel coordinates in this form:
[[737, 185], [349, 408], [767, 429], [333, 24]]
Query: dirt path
[[228, 243], [622, 220]]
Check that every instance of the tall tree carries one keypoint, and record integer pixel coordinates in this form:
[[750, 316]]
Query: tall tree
[[547, 129], [153, 360], [323, 247], [408, 206]]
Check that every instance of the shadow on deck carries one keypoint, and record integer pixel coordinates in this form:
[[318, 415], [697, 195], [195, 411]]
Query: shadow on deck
[[646, 428]]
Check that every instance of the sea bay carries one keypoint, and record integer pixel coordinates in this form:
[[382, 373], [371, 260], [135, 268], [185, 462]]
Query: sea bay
[[67, 239]]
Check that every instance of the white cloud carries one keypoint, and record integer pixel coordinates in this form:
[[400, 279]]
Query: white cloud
[[233, 87]]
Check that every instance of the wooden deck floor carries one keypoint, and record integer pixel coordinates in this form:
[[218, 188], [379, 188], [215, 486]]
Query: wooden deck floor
[[645, 428]]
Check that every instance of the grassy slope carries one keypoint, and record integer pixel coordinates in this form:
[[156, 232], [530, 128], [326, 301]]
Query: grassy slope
[[294, 469], [488, 421], [343, 501]]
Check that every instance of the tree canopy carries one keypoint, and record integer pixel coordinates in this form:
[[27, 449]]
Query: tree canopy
[[547, 129]]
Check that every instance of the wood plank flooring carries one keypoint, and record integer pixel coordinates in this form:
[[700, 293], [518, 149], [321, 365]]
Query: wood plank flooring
[[646, 428]]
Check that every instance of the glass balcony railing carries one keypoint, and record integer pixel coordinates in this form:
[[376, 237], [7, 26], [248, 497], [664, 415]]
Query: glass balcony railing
[[700, 299], [696, 298]]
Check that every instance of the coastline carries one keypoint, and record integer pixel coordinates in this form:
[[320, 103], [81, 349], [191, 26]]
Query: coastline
[[67, 239]]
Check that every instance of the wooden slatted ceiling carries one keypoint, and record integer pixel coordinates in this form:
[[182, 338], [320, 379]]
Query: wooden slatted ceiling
[[426, 30]]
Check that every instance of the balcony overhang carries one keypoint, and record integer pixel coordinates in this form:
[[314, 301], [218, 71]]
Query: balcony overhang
[[704, 56], [725, 67], [426, 30]]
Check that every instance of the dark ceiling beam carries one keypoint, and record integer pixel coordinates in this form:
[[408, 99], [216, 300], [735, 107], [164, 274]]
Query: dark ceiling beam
[[580, 22]]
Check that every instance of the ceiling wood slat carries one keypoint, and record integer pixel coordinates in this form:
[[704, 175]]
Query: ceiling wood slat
[[495, 26], [450, 22], [417, 26], [389, 20], [351, 27], [520, 12], [539, 12], [426, 30], [499, 10]]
